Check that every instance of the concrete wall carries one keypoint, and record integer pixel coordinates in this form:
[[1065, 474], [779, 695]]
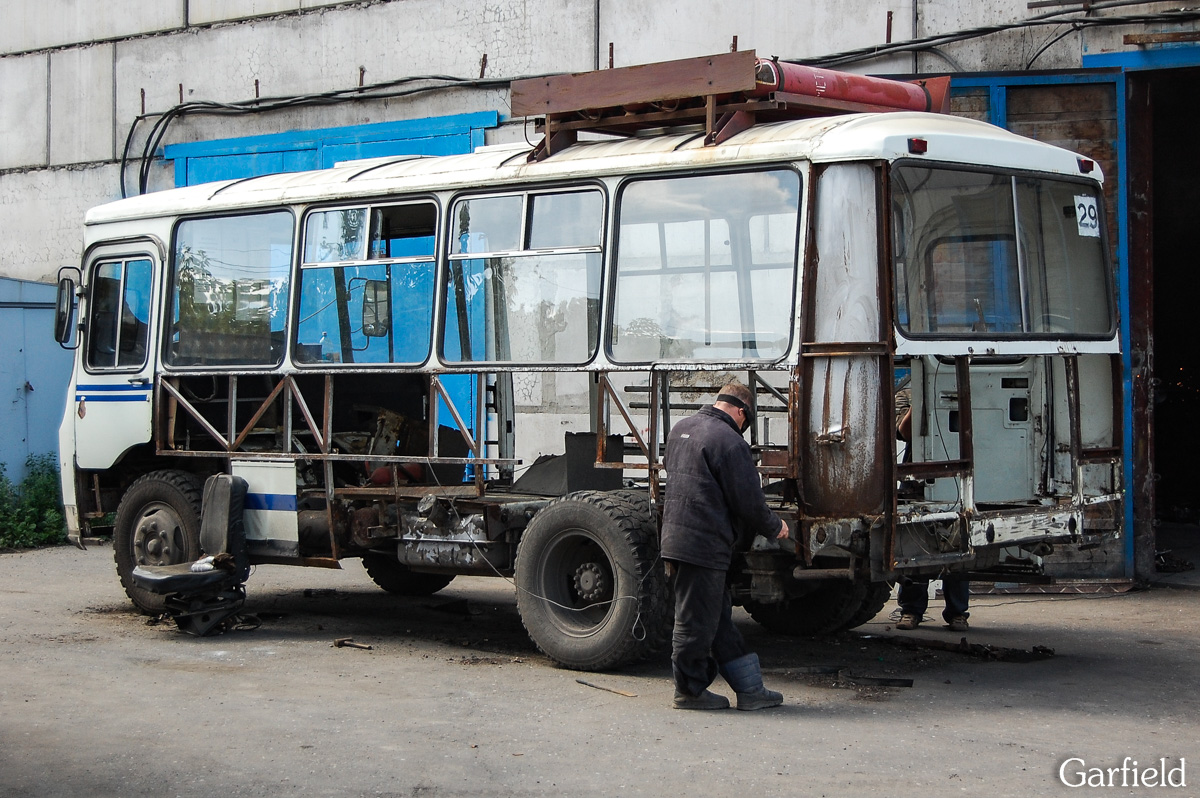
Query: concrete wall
[[73, 78]]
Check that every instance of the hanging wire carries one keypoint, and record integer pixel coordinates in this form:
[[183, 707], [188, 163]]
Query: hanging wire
[[1083, 19], [1077, 18], [402, 87]]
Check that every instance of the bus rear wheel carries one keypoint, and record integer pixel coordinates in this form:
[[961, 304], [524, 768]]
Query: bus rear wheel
[[833, 607], [590, 586], [158, 523], [387, 572]]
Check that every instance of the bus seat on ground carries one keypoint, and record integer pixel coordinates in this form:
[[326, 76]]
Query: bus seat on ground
[[201, 596]]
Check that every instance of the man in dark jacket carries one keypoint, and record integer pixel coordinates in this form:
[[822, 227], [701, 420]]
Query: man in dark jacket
[[713, 490]]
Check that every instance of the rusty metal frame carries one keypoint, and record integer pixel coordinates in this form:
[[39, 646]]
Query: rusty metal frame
[[964, 465], [615, 99], [717, 91], [168, 394], [176, 399], [437, 390], [475, 444], [659, 408], [167, 391], [727, 73], [608, 394]]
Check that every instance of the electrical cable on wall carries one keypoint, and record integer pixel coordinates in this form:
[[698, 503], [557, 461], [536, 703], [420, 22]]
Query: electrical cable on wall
[[929, 43], [378, 91], [434, 83]]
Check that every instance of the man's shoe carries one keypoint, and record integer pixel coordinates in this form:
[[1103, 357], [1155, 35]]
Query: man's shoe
[[958, 624], [706, 700], [908, 622], [759, 699]]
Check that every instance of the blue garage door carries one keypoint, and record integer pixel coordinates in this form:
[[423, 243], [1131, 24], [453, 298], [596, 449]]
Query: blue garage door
[[34, 373], [228, 159]]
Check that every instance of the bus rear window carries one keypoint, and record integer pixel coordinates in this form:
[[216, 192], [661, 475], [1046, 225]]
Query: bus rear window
[[990, 255]]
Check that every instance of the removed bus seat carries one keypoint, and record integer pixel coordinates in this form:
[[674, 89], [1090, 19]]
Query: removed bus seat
[[201, 600]]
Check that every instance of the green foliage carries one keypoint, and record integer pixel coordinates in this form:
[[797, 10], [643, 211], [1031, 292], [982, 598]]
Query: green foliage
[[31, 513]]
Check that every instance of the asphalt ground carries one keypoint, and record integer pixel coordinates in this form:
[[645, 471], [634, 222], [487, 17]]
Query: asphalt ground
[[453, 700]]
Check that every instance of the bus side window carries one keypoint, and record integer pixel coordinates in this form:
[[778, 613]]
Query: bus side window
[[120, 310], [366, 287], [229, 289], [705, 267], [524, 278]]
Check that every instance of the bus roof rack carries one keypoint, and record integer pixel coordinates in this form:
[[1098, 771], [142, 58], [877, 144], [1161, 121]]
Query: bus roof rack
[[727, 93]]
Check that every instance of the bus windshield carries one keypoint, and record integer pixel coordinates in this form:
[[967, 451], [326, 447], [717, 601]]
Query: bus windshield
[[990, 255]]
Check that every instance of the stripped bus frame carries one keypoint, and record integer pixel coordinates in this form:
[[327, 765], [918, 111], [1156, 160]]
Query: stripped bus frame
[[864, 514]]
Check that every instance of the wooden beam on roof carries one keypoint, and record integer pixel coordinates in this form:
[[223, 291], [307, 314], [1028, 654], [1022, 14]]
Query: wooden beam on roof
[[706, 76], [1162, 38]]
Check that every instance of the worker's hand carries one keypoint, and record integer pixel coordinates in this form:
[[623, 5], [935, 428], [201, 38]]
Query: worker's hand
[[783, 531]]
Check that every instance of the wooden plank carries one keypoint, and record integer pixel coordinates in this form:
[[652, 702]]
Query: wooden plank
[[1162, 38], [673, 80], [632, 122], [1066, 97], [972, 104]]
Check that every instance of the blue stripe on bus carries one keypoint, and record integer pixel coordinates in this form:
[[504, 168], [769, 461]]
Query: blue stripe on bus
[[284, 502], [110, 398], [88, 388]]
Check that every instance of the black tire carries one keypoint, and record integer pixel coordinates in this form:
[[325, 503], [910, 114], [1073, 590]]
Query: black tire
[[659, 636], [639, 504], [387, 572], [876, 599], [158, 523], [591, 589], [830, 608]]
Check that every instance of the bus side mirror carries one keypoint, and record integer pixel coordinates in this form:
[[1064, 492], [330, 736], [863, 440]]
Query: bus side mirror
[[64, 307], [376, 309]]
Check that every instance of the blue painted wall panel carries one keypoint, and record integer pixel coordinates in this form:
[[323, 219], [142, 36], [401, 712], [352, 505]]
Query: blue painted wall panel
[[432, 145], [222, 167], [34, 373], [205, 161]]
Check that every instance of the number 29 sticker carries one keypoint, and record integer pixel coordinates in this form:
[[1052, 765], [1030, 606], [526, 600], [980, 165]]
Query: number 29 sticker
[[1087, 216]]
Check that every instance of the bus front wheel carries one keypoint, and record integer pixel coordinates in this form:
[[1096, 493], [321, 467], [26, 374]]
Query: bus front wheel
[[158, 523]]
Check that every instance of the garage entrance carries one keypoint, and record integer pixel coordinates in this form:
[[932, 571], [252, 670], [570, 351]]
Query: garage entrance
[[1176, 294]]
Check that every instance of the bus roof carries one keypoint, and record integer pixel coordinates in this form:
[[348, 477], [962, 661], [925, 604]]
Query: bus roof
[[852, 137]]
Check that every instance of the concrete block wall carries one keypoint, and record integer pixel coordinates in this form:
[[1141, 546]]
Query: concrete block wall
[[74, 78]]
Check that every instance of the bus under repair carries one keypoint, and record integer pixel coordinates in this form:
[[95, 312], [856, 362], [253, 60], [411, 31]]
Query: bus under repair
[[468, 364]]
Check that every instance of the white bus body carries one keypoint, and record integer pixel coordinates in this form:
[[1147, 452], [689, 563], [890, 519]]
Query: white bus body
[[383, 350]]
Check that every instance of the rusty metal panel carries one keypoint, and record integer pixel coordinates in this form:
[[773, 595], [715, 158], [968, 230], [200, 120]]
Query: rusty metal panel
[[847, 460], [635, 85]]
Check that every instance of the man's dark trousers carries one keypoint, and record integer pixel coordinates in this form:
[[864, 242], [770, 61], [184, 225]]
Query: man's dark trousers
[[704, 633], [914, 597]]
